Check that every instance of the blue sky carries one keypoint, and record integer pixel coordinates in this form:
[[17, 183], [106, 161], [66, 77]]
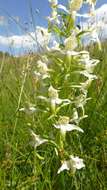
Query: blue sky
[[20, 10]]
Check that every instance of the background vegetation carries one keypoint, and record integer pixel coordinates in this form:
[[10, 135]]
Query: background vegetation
[[19, 168]]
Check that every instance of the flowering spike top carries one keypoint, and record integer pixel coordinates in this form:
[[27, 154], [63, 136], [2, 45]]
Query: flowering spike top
[[75, 5], [53, 3]]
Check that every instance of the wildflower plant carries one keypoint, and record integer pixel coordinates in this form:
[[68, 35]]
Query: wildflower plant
[[64, 76]]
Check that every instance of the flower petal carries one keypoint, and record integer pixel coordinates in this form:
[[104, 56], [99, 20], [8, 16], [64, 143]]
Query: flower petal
[[68, 127], [37, 140], [78, 162], [63, 167]]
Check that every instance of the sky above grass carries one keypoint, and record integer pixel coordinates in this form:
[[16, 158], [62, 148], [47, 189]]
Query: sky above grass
[[16, 15], [22, 11]]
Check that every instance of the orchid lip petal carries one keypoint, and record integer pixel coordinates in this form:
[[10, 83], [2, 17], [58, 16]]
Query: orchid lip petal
[[68, 127], [63, 167]]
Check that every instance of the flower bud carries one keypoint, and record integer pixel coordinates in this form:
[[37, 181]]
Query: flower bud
[[42, 67], [75, 5], [53, 3], [52, 92], [70, 42]]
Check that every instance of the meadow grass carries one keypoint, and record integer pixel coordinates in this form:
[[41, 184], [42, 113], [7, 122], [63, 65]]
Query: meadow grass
[[20, 166]]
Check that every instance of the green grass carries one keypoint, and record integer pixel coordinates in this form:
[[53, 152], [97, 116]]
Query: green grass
[[20, 167]]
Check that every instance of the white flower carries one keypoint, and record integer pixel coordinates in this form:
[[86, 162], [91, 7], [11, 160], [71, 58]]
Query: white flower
[[55, 100], [85, 57], [54, 14], [86, 84], [52, 92], [75, 5], [88, 75], [89, 64], [38, 76], [72, 164], [42, 67], [54, 18], [54, 96], [68, 127], [76, 53], [37, 140], [83, 86], [53, 3], [28, 110], [81, 101], [70, 42], [64, 125], [76, 118], [62, 7], [42, 72]]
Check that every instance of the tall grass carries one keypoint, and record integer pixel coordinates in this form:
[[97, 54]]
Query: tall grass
[[20, 166], [24, 164]]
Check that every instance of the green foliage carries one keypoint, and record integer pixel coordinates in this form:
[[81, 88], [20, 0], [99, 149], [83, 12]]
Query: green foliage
[[42, 106], [16, 155]]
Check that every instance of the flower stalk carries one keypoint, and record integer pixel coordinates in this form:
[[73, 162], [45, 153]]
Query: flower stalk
[[59, 105]]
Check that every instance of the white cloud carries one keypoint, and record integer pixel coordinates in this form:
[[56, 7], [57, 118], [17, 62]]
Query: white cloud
[[16, 41], [36, 39], [101, 13], [41, 36], [99, 21]]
